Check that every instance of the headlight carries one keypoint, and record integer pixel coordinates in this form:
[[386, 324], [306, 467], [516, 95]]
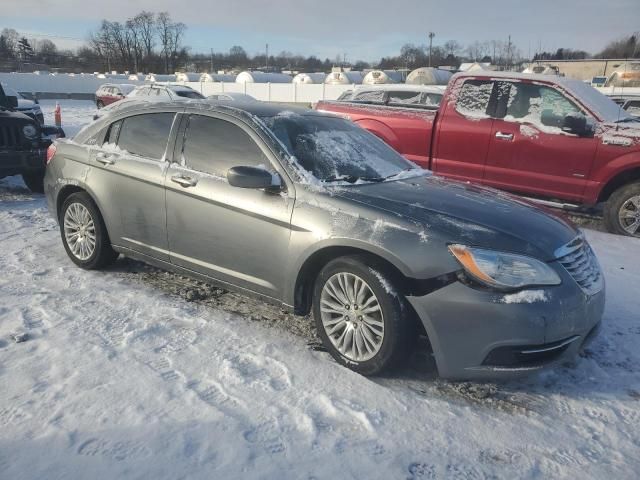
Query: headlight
[[29, 131], [503, 270]]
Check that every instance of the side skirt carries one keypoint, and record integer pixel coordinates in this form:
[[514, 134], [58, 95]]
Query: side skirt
[[127, 252]]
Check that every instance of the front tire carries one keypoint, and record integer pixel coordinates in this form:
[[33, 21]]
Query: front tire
[[84, 234], [100, 104], [34, 181], [622, 211], [360, 315]]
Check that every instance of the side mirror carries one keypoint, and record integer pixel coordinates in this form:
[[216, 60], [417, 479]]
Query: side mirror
[[12, 101], [251, 177], [575, 123]]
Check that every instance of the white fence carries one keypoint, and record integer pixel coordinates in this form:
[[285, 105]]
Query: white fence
[[86, 85], [274, 92]]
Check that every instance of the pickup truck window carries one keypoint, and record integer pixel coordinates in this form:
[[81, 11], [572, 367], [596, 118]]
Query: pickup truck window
[[474, 98], [376, 96], [527, 101], [405, 98]]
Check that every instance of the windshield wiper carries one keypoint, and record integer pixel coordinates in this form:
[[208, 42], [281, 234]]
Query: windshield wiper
[[351, 179], [628, 119]]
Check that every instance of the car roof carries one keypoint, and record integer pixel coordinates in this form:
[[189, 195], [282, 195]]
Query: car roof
[[260, 109]]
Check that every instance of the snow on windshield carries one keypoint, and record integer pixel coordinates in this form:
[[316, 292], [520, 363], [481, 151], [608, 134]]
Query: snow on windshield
[[331, 148]]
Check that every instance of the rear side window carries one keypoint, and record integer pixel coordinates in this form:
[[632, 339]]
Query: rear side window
[[376, 96], [146, 135], [188, 94], [405, 97], [474, 98], [213, 146]]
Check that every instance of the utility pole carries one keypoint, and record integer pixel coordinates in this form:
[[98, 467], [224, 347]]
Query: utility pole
[[211, 66], [266, 57], [431, 35], [509, 53], [344, 60]]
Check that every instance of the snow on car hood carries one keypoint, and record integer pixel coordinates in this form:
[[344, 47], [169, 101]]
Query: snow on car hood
[[469, 214]]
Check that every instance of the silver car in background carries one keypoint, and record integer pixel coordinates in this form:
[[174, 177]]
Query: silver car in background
[[313, 213]]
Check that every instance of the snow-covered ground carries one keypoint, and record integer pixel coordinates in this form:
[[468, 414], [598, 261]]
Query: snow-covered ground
[[121, 378]]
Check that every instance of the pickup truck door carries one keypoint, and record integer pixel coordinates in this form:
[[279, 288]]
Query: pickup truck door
[[464, 130], [529, 153]]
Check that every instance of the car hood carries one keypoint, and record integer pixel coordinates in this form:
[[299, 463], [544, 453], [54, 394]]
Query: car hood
[[470, 214]]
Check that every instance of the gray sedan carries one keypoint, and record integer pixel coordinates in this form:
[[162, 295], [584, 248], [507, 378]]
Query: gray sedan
[[315, 214]]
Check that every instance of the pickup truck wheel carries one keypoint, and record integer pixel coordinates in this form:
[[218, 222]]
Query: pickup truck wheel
[[622, 211], [360, 316], [84, 234], [34, 181]]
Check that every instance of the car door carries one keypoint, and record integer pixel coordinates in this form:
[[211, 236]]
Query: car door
[[236, 235], [529, 152], [464, 130], [134, 152]]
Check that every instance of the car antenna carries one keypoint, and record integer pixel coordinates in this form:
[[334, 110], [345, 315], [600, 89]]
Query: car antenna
[[624, 76]]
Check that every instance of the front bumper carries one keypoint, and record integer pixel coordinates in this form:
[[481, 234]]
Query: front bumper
[[476, 335]]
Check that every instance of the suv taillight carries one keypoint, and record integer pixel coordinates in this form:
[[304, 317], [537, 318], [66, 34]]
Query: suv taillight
[[51, 151]]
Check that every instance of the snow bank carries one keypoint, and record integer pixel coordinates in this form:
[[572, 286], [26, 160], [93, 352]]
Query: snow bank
[[119, 379]]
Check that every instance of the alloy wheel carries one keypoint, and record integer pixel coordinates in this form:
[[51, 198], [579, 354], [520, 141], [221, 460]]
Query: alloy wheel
[[352, 316], [629, 215], [79, 231]]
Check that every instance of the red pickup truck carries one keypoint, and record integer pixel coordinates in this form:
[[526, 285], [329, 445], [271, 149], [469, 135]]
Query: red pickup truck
[[553, 139]]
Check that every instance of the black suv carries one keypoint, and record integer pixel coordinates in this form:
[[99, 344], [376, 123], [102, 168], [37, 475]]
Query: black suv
[[23, 143]]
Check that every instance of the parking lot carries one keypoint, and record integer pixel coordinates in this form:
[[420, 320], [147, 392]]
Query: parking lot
[[137, 370]]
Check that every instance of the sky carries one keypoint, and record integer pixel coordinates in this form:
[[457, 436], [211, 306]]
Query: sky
[[365, 30]]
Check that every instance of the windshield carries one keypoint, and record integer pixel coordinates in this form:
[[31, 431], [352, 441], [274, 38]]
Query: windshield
[[334, 149], [602, 105]]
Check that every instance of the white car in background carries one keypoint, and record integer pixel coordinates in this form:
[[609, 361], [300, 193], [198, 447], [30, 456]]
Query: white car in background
[[232, 97]]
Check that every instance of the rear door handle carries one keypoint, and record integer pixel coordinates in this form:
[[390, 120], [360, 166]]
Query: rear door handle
[[105, 158], [504, 136], [184, 181]]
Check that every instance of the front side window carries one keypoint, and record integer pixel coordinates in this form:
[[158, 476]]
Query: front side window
[[528, 101], [474, 98], [213, 146], [145, 135]]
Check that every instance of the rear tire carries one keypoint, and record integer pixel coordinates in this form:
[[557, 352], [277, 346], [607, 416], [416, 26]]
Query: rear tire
[[360, 315], [622, 211], [84, 234], [34, 181]]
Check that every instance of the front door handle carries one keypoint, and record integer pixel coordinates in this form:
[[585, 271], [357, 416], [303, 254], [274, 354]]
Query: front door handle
[[105, 159], [504, 136], [184, 181]]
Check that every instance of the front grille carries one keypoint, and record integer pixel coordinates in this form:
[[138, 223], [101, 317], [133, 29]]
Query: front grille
[[10, 136], [581, 263]]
